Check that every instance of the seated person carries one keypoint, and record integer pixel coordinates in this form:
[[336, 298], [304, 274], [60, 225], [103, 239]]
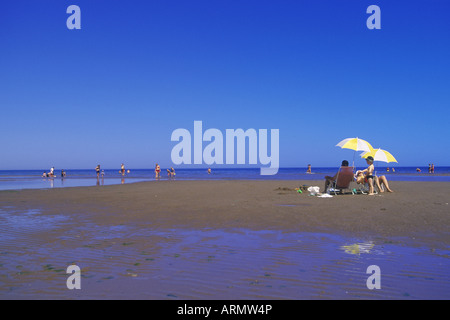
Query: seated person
[[367, 175], [329, 180]]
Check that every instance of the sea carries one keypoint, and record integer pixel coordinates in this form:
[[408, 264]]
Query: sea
[[32, 179]]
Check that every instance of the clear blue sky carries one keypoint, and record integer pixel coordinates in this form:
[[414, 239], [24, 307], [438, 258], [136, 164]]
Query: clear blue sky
[[115, 90]]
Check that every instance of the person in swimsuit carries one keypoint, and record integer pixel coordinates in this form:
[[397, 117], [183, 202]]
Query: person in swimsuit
[[379, 181], [157, 171], [97, 170], [122, 169], [368, 176]]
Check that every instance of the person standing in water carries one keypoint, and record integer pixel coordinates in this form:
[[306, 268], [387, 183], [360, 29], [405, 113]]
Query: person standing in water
[[97, 170], [157, 171], [122, 169]]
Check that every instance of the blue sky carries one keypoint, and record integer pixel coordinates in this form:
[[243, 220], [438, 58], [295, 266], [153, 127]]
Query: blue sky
[[115, 90]]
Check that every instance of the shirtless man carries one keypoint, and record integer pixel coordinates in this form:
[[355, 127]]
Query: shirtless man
[[329, 180]]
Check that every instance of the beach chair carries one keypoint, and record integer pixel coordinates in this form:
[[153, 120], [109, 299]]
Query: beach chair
[[364, 187], [343, 181]]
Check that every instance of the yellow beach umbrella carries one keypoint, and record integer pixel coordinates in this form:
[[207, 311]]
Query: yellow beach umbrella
[[355, 144], [380, 155]]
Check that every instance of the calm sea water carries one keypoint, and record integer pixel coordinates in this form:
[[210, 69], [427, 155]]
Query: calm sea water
[[32, 179]]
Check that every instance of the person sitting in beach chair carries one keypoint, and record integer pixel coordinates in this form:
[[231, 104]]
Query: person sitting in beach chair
[[368, 179], [341, 179], [381, 183]]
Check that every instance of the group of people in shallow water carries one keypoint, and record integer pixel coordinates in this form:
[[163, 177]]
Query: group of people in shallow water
[[170, 172], [430, 168], [51, 173], [101, 173], [364, 176]]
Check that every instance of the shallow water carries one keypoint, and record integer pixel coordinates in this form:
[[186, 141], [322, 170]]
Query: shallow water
[[128, 261], [50, 183], [32, 179]]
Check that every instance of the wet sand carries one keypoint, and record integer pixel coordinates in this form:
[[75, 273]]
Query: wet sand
[[164, 230], [418, 210]]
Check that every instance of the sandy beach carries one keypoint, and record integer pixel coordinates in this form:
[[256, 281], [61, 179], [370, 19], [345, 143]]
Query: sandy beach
[[118, 232]]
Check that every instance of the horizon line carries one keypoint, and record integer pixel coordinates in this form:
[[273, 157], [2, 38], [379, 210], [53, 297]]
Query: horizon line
[[219, 168]]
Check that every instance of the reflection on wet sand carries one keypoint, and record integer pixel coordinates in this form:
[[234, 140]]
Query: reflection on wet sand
[[50, 182], [121, 261], [358, 248]]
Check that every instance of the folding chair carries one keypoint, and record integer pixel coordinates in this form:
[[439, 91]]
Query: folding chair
[[343, 180]]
